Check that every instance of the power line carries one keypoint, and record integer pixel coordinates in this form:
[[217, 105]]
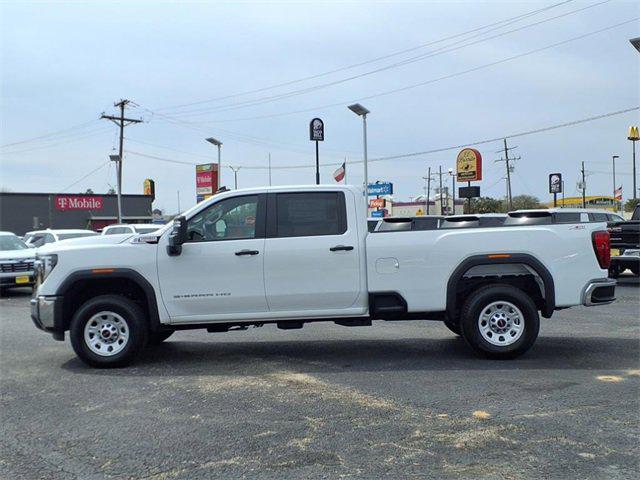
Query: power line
[[85, 176], [73, 139], [51, 134], [315, 88], [425, 152], [427, 82], [373, 60]]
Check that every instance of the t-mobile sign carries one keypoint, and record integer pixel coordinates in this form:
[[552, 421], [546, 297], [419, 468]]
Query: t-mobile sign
[[69, 202]]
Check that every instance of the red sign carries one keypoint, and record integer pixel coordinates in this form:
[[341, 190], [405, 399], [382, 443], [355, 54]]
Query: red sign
[[377, 203], [206, 179], [74, 202]]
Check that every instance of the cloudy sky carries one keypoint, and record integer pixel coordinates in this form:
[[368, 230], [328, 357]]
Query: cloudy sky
[[433, 74]]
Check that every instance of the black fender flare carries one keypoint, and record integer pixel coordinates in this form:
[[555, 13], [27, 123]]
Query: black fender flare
[[523, 258], [114, 274]]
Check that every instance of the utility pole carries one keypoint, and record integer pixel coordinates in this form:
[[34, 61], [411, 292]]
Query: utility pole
[[509, 167], [584, 188], [122, 122], [440, 174], [235, 176], [427, 192]]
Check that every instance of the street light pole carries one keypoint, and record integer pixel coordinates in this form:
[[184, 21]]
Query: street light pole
[[362, 112], [218, 144], [235, 176], [453, 190]]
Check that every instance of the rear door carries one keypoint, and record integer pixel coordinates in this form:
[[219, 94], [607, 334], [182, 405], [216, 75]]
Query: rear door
[[312, 254]]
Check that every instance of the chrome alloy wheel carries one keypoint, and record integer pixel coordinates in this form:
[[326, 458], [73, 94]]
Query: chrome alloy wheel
[[106, 333], [501, 323]]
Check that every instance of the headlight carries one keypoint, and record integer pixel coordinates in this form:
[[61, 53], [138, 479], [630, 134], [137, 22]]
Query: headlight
[[44, 265]]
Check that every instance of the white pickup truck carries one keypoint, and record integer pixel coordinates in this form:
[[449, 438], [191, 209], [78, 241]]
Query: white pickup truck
[[291, 255]]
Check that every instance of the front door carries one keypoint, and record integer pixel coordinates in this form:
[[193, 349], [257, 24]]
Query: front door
[[219, 274]]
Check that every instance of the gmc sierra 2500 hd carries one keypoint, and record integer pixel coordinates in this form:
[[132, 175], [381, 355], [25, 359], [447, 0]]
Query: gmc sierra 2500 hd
[[291, 255]]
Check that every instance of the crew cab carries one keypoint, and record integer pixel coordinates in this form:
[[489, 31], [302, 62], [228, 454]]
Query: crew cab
[[625, 245], [292, 255]]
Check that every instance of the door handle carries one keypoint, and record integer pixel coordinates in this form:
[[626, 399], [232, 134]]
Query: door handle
[[247, 252], [339, 248]]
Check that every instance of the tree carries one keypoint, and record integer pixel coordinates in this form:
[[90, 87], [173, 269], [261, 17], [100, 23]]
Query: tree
[[89, 192], [525, 202], [630, 204], [485, 205], [111, 191]]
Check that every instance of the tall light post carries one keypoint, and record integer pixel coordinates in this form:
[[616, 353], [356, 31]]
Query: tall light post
[[363, 112], [633, 137], [235, 176], [118, 160], [218, 144], [613, 158]]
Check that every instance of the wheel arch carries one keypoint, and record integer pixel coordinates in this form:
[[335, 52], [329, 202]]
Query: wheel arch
[[536, 267], [84, 284]]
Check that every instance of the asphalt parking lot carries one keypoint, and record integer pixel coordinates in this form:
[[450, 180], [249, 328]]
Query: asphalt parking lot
[[396, 400]]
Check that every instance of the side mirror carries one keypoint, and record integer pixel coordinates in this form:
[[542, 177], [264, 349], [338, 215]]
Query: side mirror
[[177, 236]]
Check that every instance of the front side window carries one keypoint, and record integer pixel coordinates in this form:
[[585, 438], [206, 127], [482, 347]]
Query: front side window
[[118, 230], [230, 219], [48, 238], [67, 236], [37, 240], [598, 217], [310, 214]]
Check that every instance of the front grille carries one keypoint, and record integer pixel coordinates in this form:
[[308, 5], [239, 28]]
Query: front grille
[[10, 267]]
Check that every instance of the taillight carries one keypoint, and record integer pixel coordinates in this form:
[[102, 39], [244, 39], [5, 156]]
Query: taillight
[[602, 247]]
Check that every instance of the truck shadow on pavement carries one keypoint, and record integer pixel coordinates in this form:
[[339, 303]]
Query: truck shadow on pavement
[[188, 358]]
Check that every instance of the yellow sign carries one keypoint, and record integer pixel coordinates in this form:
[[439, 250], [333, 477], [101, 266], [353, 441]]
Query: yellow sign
[[419, 213], [469, 165], [149, 187], [633, 133]]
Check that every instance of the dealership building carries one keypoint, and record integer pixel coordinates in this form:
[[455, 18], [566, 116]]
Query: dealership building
[[22, 212]]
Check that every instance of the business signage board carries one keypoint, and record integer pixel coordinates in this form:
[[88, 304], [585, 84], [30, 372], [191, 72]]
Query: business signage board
[[316, 130], [378, 214], [469, 192], [555, 183], [469, 165], [206, 179], [385, 188], [377, 203], [75, 202]]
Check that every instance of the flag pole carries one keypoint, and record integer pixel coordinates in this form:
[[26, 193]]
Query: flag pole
[[345, 170]]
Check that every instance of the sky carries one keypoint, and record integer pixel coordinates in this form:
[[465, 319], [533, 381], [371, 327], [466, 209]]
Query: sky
[[187, 68]]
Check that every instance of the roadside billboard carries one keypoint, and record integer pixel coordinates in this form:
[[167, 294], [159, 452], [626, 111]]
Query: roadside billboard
[[382, 188], [377, 203], [469, 165], [206, 180]]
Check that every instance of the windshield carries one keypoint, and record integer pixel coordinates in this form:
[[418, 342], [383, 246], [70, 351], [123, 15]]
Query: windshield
[[11, 242], [66, 236]]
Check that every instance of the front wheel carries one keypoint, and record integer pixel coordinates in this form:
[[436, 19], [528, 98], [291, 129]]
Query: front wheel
[[500, 321], [108, 331]]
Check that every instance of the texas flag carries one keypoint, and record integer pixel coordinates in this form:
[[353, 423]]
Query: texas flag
[[340, 172], [618, 193]]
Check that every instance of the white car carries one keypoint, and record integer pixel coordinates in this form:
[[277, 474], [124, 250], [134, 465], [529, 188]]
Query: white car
[[292, 255], [131, 228], [37, 238], [16, 262]]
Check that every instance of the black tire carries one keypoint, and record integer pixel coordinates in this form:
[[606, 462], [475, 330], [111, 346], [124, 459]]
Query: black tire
[[454, 327], [127, 310], [482, 299], [156, 338]]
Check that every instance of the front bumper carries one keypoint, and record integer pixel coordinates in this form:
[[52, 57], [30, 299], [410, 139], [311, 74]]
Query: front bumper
[[46, 313], [629, 258], [599, 292], [17, 279]]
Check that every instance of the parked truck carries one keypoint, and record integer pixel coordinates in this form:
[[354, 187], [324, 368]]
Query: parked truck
[[292, 255]]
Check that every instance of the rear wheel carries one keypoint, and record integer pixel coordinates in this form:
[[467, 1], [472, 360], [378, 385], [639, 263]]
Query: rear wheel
[[500, 321], [108, 331]]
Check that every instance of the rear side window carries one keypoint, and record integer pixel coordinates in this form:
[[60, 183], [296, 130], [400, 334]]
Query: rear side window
[[310, 214], [598, 217], [562, 217], [425, 223]]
